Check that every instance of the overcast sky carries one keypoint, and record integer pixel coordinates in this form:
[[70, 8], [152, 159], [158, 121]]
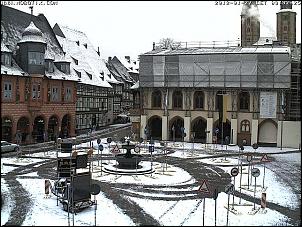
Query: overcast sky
[[129, 28]]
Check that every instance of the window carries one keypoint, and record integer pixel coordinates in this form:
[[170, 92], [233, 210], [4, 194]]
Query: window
[[248, 20], [245, 126], [7, 90], [198, 100], [55, 94], [36, 91], [5, 59], [35, 58], [285, 28], [68, 94], [248, 29], [177, 99], [49, 66], [244, 101], [65, 68]]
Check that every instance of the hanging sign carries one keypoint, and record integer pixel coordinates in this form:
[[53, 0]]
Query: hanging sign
[[204, 187]]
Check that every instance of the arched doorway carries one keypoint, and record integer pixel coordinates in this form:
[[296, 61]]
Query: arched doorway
[[38, 129], [53, 128], [226, 130], [65, 126], [155, 127], [267, 134], [7, 125], [23, 128], [175, 128], [199, 126]]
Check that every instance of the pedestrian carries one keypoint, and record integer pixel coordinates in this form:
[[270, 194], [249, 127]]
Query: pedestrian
[[18, 138]]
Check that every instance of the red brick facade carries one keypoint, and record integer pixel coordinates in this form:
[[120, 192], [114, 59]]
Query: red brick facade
[[21, 112]]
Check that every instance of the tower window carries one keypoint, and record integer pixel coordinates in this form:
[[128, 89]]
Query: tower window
[[285, 28], [35, 58], [248, 30]]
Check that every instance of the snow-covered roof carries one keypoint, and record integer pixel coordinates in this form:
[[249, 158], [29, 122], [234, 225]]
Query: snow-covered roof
[[32, 34], [14, 70], [120, 69], [221, 50], [131, 65], [265, 41], [4, 48], [84, 59], [135, 86], [59, 75], [286, 10]]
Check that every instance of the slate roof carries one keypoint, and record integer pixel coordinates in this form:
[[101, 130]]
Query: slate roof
[[117, 67], [14, 23], [83, 57]]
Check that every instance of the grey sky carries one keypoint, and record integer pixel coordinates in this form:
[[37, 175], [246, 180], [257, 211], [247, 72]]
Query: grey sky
[[129, 27]]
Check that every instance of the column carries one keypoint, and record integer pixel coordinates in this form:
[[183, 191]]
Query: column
[[234, 126], [164, 132], [254, 137], [187, 126], [143, 125], [209, 128]]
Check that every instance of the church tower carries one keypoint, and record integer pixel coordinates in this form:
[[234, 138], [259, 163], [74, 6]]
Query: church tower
[[286, 25], [250, 24]]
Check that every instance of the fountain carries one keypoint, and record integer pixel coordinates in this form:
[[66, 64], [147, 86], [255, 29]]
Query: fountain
[[128, 160]]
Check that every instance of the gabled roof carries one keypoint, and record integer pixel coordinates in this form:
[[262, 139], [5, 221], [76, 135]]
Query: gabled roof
[[84, 58], [120, 69], [14, 22], [131, 65]]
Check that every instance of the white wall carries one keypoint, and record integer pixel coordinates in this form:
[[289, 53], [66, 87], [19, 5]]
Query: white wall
[[267, 132], [291, 134]]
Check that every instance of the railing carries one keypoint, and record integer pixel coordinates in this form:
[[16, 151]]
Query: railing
[[197, 44]]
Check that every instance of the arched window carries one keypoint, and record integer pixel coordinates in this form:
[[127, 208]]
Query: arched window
[[198, 100], [156, 99], [245, 126], [244, 100], [177, 99]]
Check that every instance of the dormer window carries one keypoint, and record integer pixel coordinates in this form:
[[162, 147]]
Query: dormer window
[[85, 45], [89, 75], [78, 43], [75, 61], [6, 59], [65, 68], [109, 75], [35, 58], [78, 73]]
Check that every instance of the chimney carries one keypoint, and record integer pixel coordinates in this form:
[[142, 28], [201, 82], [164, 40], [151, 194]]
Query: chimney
[[98, 51], [31, 10], [153, 45], [109, 59]]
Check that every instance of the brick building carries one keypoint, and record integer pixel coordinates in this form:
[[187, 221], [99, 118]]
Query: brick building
[[38, 93]]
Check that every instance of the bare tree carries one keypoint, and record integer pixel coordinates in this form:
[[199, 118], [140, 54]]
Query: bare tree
[[169, 43]]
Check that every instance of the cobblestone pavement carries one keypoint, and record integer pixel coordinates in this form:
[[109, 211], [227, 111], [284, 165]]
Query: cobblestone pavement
[[119, 192]]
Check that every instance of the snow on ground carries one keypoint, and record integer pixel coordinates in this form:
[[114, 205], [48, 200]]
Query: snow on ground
[[162, 176], [45, 211], [180, 212], [8, 204]]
